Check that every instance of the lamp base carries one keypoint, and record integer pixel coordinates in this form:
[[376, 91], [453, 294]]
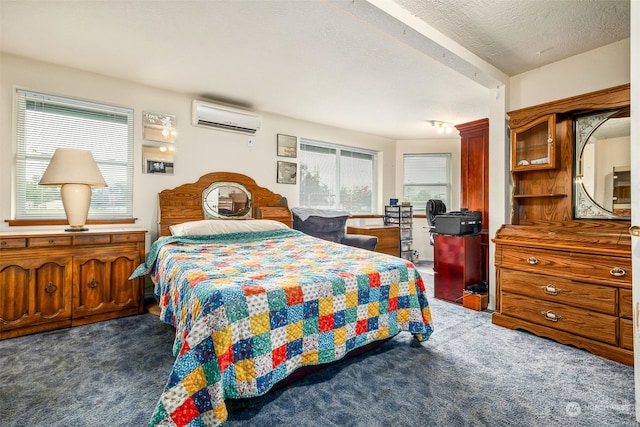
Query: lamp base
[[76, 199], [76, 229]]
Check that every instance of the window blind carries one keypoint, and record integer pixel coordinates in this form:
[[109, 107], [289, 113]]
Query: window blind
[[337, 177], [46, 122], [426, 176]]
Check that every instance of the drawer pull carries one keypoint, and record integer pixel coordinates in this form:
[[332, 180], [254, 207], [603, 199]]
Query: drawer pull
[[550, 290], [551, 316], [532, 260], [92, 283], [50, 288], [617, 272]]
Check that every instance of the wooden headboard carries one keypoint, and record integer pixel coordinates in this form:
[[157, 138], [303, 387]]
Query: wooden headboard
[[184, 203]]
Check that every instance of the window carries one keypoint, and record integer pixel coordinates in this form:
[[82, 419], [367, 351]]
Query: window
[[46, 122], [426, 176], [336, 177]]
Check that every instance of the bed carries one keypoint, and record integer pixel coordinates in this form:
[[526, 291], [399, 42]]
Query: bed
[[255, 302]]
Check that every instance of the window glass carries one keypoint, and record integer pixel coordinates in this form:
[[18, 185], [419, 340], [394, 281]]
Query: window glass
[[337, 177], [46, 122], [426, 176]]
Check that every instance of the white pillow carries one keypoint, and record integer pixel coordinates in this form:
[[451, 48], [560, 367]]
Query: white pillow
[[207, 227]]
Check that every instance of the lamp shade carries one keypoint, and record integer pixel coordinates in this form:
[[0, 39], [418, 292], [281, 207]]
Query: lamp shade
[[72, 166], [76, 171]]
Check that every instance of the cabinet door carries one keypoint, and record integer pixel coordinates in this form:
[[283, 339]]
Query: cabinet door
[[534, 146], [102, 285], [34, 292]]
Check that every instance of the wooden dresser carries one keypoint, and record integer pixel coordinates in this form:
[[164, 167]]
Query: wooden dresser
[[560, 273], [388, 237], [567, 281], [57, 279]]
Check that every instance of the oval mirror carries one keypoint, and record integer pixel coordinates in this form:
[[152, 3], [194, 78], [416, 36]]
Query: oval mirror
[[226, 200], [602, 187]]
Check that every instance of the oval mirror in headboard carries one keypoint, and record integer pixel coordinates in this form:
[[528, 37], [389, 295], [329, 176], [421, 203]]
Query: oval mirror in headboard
[[226, 200], [185, 202]]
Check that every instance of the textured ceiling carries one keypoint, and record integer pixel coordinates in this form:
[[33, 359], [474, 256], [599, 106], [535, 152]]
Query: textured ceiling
[[377, 66], [519, 35]]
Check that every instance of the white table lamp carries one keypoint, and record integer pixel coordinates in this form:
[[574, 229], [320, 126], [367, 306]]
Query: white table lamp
[[76, 172]]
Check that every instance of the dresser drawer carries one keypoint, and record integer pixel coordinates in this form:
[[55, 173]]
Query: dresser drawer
[[92, 239], [610, 269], [589, 324], [626, 334], [43, 242], [129, 237], [535, 260], [13, 243], [562, 291], [604, 269]]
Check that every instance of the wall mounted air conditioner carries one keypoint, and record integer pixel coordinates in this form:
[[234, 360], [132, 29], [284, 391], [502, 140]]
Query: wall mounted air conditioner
[[224, 118]]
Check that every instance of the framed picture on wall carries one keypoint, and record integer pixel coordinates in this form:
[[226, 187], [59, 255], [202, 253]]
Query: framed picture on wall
[[287, 172], [287, 146]]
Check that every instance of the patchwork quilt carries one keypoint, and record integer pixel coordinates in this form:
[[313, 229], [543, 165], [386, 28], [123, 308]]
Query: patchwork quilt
[[251, 308]]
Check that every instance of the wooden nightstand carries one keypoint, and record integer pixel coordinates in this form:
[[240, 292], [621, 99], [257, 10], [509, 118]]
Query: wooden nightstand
[[57, 279], [388, 237]]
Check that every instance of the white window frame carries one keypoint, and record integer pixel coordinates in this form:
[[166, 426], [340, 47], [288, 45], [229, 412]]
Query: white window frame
[[336, 190], [426, 181], [83, 124]]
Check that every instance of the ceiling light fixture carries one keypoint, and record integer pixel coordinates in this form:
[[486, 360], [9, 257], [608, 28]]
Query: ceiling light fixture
[[442, 127]]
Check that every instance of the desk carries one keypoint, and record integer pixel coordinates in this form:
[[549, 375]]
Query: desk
[[388, 237]]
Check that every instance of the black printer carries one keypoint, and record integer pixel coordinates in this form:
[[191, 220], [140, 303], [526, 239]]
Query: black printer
[[457, 223]]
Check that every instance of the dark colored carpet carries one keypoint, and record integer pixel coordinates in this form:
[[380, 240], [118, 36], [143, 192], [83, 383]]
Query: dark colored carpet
[[469, 373]]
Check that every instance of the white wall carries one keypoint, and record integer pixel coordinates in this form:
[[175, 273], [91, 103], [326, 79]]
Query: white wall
[[198, 150], [597, 69], [426, 146]]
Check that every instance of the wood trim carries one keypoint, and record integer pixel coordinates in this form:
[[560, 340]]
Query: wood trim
[[614, 97], [475, 126], [62, 222]]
